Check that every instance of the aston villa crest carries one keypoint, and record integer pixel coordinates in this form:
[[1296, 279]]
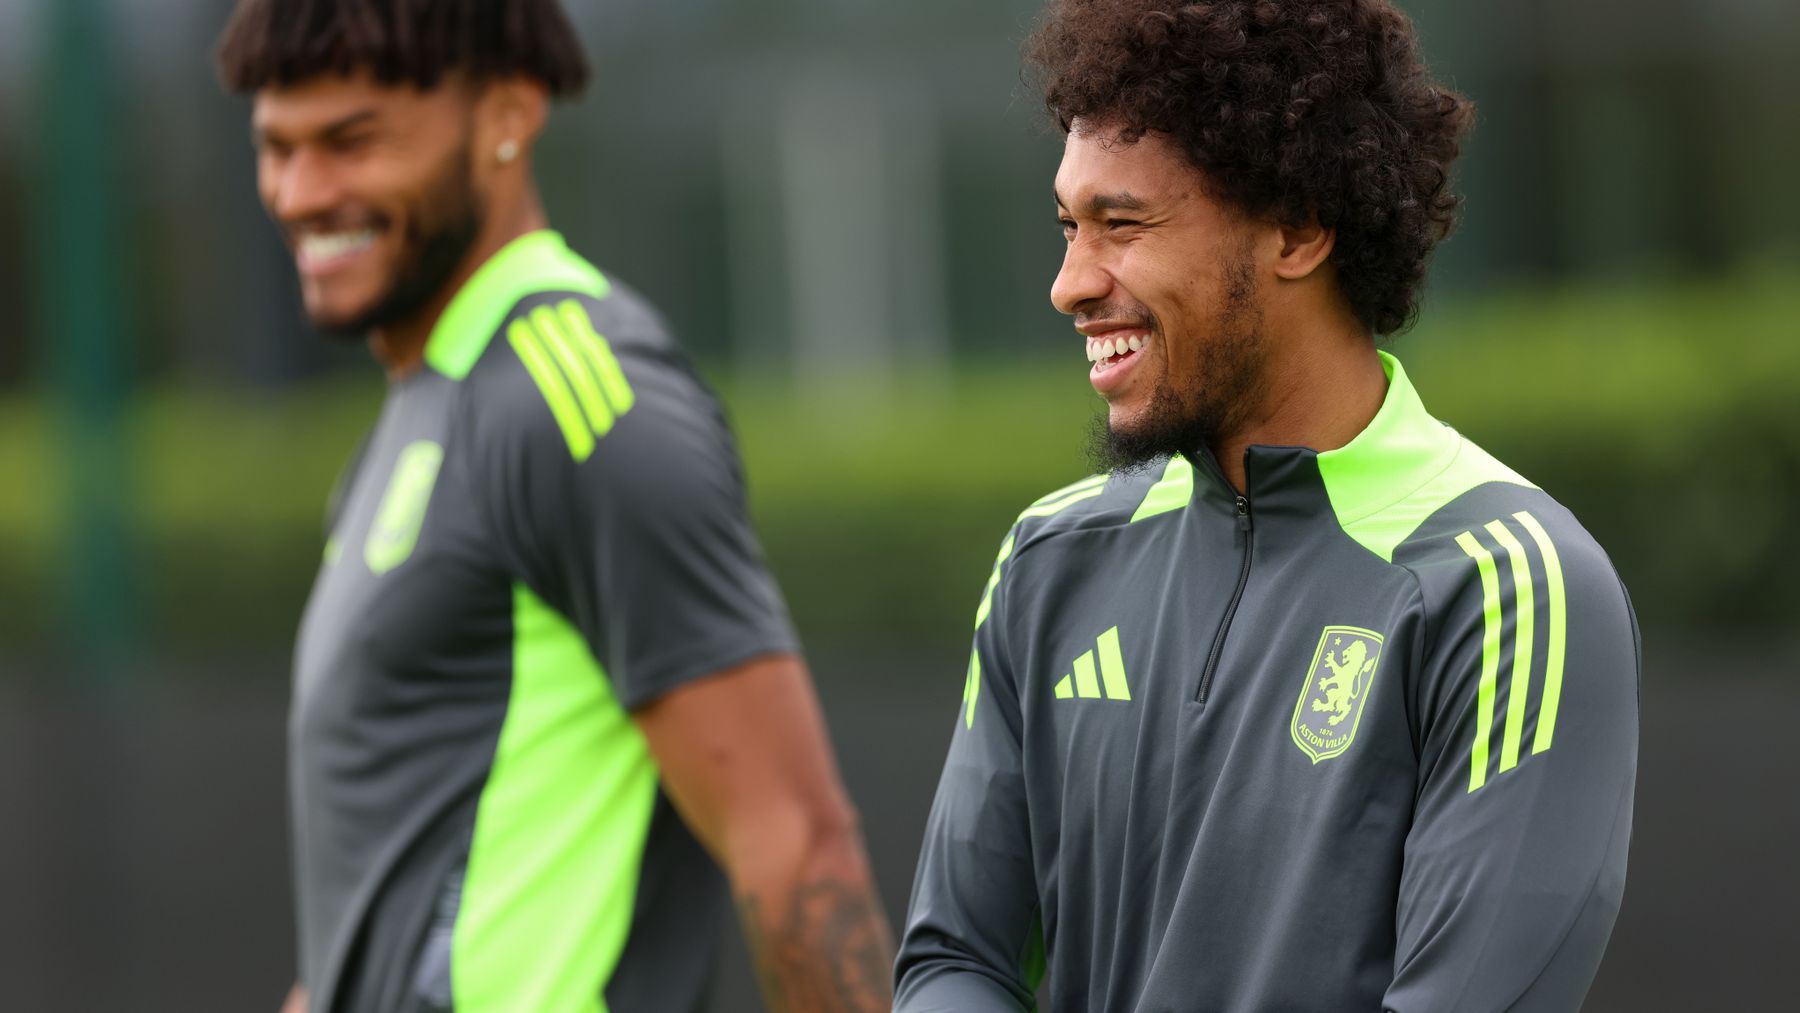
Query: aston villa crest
[[1337, 685]]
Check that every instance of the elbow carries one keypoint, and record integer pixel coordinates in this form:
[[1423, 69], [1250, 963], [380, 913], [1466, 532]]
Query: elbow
[[779, 847]]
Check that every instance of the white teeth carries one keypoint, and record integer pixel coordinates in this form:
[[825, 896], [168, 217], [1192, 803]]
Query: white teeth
[[336, 244], [1136, 344]]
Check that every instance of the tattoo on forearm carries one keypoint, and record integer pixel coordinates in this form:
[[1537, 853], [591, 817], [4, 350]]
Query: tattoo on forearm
[[830, 951]]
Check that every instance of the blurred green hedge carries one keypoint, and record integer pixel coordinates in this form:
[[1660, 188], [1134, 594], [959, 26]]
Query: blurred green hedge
[[1663, 415]]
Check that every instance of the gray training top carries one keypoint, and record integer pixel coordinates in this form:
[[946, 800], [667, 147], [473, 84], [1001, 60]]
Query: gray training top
[[545, 530], [1364, 738]]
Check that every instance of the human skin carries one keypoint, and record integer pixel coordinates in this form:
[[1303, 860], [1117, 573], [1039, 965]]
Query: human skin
[[353, 171], [1151, 255]]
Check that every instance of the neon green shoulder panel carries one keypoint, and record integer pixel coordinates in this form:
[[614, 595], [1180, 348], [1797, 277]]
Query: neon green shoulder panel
[[535, 262], [559, 832], [1404, 467], [1171, 492]]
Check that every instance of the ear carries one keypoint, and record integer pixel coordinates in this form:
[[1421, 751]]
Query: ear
[[509, 117], [1303, 248]]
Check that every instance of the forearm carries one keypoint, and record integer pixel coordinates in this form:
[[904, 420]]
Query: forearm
[[815, 926]]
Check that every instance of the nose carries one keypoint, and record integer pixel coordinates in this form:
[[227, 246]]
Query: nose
[[1082, 279], [298, 187]]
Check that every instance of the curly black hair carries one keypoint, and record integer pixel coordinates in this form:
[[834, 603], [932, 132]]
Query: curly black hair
[[1288, 108], [415, 42]]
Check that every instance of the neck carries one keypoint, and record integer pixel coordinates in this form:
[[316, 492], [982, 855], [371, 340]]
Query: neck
[[400, 347], [1325, 385]]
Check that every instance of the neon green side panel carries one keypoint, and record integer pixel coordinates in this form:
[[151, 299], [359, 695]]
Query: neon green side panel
[[1171, 492], [1402, 468], [1524, 620], [559, 833], [535, 262], [525, 341], [395, 530], [1112, 666], [1490, 656], [1559, 631], [1032, 962]]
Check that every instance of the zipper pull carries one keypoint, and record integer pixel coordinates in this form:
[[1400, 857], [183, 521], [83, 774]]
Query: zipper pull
[[1243, 513]]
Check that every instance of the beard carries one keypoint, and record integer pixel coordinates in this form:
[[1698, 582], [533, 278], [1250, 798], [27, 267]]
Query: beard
[[442, 224], [1186, 415]]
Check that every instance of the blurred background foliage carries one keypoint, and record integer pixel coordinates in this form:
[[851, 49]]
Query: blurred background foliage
[[1663, 415], [843, 207]]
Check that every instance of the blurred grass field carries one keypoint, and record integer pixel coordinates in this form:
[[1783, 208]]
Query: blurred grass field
[[1664, 415]]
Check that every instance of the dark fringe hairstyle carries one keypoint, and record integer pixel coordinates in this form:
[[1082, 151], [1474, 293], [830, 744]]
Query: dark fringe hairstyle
[[1288, 108], [416, 42]]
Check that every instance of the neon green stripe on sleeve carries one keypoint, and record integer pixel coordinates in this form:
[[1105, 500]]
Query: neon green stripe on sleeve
[[1073, 487], [1524, 621], [1559, 628], [574, 366], [599, 355], [1490, 657], [987, 596], [972, 688], [1058, 505], [550, 383]]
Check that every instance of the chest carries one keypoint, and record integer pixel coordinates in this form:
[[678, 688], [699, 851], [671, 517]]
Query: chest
[[1218, 670], [406, 600]]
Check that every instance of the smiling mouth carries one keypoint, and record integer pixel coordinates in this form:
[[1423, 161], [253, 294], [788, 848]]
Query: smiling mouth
[[1107, 352], [320, 251]]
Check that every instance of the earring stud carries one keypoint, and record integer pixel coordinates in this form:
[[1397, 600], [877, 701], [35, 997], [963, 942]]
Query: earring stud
[[507, 151]]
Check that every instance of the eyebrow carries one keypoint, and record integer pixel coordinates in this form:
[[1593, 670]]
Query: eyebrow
[[1101, 203], [335, 127]]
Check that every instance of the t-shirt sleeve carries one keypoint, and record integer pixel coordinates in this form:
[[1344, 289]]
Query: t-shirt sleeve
[[973, 940], [1515, 864], [615, 489]]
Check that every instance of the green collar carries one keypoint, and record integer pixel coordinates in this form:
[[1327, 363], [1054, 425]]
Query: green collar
[[1403, 467], [535, 262]]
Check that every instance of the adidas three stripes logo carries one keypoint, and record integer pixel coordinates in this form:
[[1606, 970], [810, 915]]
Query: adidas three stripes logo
[[1089, 679], [1517, 614], [576, 371]]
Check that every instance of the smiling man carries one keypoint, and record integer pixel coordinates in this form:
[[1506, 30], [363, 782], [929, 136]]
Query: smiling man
[[544, 680], [1307, 703]]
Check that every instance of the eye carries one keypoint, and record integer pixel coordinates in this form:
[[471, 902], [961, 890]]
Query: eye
[[1122, 223], [1068, 227], [349, 144]]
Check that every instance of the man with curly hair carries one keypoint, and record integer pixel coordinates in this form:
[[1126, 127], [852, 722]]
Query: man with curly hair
[[1306, 703]]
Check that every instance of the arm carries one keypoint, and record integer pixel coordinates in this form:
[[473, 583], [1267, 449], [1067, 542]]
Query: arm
[[1515, 864], [973, 942], [642, 538], [296, 1000], [745, 757]]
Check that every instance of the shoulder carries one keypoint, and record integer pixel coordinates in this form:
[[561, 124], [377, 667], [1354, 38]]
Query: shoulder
[[1105, 500], [574, 372], [1502, 544]]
